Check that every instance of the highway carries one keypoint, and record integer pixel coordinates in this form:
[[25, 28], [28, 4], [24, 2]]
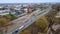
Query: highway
[[23, 22], [32, 20]]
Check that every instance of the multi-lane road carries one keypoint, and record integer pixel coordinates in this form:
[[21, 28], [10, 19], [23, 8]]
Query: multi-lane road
[[23, 22]]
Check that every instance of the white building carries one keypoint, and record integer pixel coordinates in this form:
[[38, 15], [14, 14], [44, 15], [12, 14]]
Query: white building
[[4, 12], [58, 15], [26, 10]]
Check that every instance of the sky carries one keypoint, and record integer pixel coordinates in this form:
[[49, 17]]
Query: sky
[[28, 1]]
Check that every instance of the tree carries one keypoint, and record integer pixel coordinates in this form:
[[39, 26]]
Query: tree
[[56, 7], [10, 17], [3, 22], [41, 23], [51, 17]]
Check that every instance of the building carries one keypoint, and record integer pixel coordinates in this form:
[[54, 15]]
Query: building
[[28, 9], [58, 15], [4, 12]]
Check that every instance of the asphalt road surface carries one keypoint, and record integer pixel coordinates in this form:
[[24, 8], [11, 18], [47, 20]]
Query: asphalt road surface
[[23, 22]]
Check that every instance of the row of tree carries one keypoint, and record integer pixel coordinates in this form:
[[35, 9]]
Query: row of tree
[[51, 16], [4, 20]]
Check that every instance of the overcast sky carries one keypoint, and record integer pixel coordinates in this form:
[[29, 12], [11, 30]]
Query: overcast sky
[[27, 1]]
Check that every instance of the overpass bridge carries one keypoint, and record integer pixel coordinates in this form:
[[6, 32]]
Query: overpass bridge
[[23, 22]]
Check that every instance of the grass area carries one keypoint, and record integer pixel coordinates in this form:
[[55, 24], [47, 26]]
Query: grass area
[[4, 20]]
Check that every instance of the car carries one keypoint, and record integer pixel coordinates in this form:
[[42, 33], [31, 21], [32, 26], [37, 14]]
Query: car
[[15, 32]]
